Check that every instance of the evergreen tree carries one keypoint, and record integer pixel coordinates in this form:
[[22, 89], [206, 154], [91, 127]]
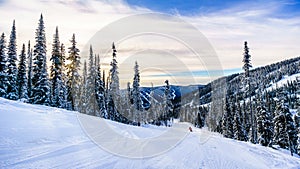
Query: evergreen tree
[[84, 95], [63, 86], [12, 88], [264, 126], [285, 134], [29, 71], [113, 92], [297, 125], [136, 94], [91, 85], [40, 82], [227, 120], [100, 90], [56, 72], [22, 78], [73, 76], [247, 65], [238, 127], [169, 107], [3, 67]]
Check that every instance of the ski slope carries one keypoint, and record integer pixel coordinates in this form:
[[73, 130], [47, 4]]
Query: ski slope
[[33, 136]]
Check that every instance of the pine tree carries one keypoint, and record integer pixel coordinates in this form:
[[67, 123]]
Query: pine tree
[[247, 65], [136, 94], [100, 90], [227, 120], [285, 134], [22, 78], [12, 89], [73, 76], [3, 67], [29, 71], [264, 126], [91, 85], [238, 127], [63, 86], [84, 95], [40, 81], [169, 107], [297, 125], [56, 71], [113, 93]]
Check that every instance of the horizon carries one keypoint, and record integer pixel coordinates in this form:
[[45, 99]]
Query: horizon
[[226, 25]]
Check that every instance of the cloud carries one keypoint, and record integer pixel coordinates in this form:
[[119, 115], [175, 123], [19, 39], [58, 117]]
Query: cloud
[[272, 36]]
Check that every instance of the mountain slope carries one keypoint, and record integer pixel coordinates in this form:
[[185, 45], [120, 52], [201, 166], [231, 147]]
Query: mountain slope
[[35, 136]]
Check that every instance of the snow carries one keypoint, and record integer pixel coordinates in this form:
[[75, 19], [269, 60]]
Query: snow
[[34, 136], [283, 81]]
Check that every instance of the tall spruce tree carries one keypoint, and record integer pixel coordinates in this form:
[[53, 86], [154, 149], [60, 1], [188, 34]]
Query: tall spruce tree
[[29, 71], [285, 133], [227, 120], [91, 84], [238, 127], [12, 88], [136, 94], [73, 76], [247, 82], [100, 90], [264, 126], [3, 67], [84, 95], [113, 92], [168, 104], [22, 78], [63, 86], [40, 81], [56, 71]]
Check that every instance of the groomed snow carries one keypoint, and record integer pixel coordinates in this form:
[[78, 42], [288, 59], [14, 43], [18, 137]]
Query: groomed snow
[[33, 136]]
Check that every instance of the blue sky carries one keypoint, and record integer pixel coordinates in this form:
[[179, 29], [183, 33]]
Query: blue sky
[[196, 7], [272, 29]]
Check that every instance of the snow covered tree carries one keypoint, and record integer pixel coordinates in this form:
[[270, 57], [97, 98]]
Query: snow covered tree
[[63, 86], [285, 134], [73, 76], [3, 67], [29, 71], [201, 115], [297, 125], [12, 88], [227, 120], [238, 127], [247, 65], [264, 126], [56, 72], [40, 81], [83, 95], [136, 94], [168, 105], [92, 105], [113, 92], [22, 78], [100, 90]]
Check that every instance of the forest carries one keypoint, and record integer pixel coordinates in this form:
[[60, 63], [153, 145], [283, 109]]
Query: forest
[[250, 106]]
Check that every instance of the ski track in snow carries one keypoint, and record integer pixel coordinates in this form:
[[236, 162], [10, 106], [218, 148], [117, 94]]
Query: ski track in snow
[[34, 136]]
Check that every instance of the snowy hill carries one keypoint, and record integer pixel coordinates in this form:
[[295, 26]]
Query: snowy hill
[[34, 136]]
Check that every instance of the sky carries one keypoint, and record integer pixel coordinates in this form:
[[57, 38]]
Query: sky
[[272, 29]]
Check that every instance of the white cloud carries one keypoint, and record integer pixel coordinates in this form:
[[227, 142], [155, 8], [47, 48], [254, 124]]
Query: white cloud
[[270, 39]]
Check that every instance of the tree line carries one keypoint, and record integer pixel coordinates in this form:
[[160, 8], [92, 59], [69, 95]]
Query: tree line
[[89, 92]]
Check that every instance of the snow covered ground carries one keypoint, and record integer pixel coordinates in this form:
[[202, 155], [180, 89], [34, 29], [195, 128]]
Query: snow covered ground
[[33, 136], [283, 81]]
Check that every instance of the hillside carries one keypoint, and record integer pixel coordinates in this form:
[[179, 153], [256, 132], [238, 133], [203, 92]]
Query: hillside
[[34, 136]]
